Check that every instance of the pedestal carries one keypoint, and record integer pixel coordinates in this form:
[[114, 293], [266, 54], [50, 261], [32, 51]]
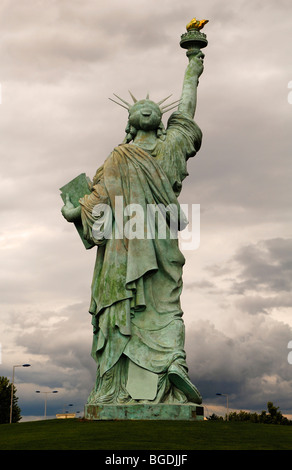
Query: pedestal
[[186, 412]]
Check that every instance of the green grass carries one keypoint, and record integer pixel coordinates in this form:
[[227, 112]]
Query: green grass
[[74, 434]]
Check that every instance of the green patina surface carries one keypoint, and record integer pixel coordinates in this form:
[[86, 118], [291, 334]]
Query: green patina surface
[[185, 412]]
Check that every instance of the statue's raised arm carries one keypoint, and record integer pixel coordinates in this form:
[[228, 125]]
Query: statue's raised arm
[[193, 41], [191, 79]]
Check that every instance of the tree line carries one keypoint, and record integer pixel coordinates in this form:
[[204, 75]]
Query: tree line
[[272, 416]]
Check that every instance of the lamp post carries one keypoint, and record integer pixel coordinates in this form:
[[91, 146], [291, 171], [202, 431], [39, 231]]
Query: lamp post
[[225, 395], [46, 393], [64, 408], [12, 387]]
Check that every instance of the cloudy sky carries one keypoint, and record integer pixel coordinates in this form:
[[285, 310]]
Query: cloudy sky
[[60, 61]]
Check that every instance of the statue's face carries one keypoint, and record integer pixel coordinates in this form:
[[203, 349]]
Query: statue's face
[[145, 115]]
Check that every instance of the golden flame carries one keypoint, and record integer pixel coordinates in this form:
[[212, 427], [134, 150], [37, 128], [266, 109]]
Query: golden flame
[[196, 24]]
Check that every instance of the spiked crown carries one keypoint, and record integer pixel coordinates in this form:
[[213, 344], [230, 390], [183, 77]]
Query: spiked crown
[[163, 109]]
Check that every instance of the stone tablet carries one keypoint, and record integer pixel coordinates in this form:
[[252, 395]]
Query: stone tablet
[[141, 384], [76, 189]]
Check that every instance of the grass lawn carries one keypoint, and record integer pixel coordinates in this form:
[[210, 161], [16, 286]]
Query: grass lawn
[[75, 434]]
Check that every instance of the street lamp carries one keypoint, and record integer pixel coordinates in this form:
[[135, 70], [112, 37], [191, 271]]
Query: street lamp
[[64, 408], [69, 404], [225, 395], [12, 387], [46, 393]]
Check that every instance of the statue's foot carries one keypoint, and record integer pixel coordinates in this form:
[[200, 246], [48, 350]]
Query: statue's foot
[[180, 379]]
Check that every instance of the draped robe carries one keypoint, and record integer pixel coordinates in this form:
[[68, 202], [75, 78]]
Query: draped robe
[[137, 282]]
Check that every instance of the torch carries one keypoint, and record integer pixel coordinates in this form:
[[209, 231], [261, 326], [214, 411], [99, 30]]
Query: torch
[[194, 40]]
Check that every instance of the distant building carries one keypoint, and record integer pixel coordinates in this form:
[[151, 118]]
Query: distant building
[[66, 415]]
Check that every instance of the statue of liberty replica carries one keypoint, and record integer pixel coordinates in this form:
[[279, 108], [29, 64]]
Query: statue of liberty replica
[[138, 328]]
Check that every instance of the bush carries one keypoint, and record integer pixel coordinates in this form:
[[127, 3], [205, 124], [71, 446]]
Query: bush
[[5, 401]]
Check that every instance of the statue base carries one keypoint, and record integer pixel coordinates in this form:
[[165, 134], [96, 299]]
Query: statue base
[[184, 412]]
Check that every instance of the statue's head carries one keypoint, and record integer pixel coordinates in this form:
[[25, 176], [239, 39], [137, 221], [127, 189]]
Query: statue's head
[[144, 115]]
